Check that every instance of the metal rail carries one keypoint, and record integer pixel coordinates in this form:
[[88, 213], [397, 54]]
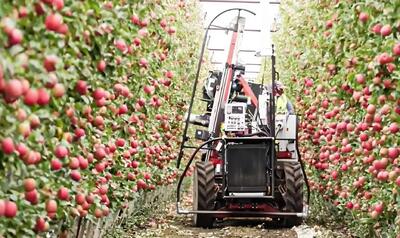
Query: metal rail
[[272, 119], [303, 214], [242, 196]]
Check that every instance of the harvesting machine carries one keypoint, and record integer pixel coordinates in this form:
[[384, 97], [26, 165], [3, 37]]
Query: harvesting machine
[[248, 164]]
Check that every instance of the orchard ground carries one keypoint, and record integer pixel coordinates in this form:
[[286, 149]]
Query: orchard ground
[[161, 220]]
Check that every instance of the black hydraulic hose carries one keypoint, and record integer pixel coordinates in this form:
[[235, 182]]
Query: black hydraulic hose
[[184, 137], [178, 190], [302, 165], [305, 178], [254, 134]]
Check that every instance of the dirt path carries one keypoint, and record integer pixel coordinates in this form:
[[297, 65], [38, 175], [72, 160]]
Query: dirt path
[[169, 224], [182, 228], [164, 222]]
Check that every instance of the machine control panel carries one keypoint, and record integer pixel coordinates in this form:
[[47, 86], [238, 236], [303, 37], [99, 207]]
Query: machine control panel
[[235, 116]]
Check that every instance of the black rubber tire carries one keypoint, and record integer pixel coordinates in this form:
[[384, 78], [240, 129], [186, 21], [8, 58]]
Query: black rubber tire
[[294, 192], [203, 193]]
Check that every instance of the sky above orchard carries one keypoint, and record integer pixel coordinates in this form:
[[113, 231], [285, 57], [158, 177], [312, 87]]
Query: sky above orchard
[[259, 40]]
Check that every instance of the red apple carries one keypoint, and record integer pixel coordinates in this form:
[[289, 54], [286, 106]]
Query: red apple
[[137, 41], [379, 207], [121, 45], [75, 175], [103, 189], [99, 153], [122, 109], [141, 184], [374, 214], [143, 32], [383, 175], [43, 97], [363, 17], [79, 132], [148, 89], [89, 198], [390, 68], [56, 164], [80, 198], [386, 30], [13, 88], [106, 211], [171, 30], [81, 87], [63, 194], [134, 164], [53, 21], [398, 181], [61, 152], [393, 153], [74, 163], [101, 66], [371, 109], [120, 142], [11, 209], [58, 90], [39, 8], [51, 206], [143, 63], [41, 225], [131, 176], [98, 213], [393, 128], [144, 22], [396, 49], [32, 197], [377, 28], [163, 23], [58, 4], [22, 12], [385, 58], [135, 20], [15, 37], [83, 163], [21, 149], [349, 205], [99, 93], [169, 74], [7, 145], [31, 97], [29, 184], [363, 137], [63, 29], [360, 78]]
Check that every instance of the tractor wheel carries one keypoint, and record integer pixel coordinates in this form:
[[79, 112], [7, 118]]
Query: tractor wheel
[[293, 196], [203, 193]]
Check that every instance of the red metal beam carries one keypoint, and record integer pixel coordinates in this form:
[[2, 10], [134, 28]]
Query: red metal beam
[[229, 62], [247, 91]]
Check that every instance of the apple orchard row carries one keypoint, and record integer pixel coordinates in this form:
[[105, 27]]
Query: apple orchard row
[[92, 95]]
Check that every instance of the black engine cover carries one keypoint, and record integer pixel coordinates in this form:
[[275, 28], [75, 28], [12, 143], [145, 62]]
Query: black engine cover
[[246, 167]]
